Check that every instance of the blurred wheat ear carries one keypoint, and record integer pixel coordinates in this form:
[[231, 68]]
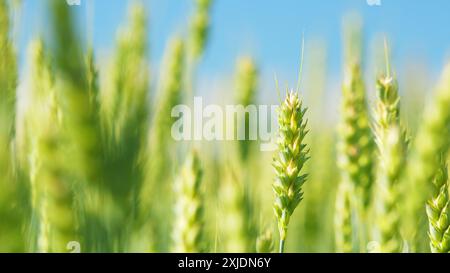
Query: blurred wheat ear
[[124, 112], [159, 161], [392, 146], [188, 231], [356, 145], [424, 161], [235, 215], [11, 212]]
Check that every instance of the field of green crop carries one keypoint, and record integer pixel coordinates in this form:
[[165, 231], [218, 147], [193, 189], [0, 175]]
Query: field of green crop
[[88, 161]]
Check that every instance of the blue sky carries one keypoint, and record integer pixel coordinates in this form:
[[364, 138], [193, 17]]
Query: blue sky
[[270, 30]]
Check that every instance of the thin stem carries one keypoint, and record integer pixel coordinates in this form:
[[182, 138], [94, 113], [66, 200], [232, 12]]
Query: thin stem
[[282, 241]]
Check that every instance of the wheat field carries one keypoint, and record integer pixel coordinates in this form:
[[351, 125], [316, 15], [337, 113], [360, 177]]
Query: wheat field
[[89, 162]]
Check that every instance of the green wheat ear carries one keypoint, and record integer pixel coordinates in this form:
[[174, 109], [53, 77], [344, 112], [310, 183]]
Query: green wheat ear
[[289, 163], [423, 163], [51, 183], [188, 229], [159, 158], [81, 117], [438, 211], [199, 29], [356, 144], [235, 215], [392, 146]]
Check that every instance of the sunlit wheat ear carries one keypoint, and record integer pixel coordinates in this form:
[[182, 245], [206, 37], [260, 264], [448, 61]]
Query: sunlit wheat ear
[[188, 228], [289, 163], [11, 239], [392, 146], [199, 29], [438, 212], [423, 163]]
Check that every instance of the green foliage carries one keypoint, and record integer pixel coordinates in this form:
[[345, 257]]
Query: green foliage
[[11, 211]]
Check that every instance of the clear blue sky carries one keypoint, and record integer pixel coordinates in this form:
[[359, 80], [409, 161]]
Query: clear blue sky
[[271, 30]]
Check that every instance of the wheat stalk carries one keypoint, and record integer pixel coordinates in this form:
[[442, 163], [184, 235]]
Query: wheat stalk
[[188, 229], [438, 212], [289, 163]]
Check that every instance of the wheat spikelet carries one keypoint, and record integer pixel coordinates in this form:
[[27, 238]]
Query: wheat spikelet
[[188, 229], [288, 164]]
